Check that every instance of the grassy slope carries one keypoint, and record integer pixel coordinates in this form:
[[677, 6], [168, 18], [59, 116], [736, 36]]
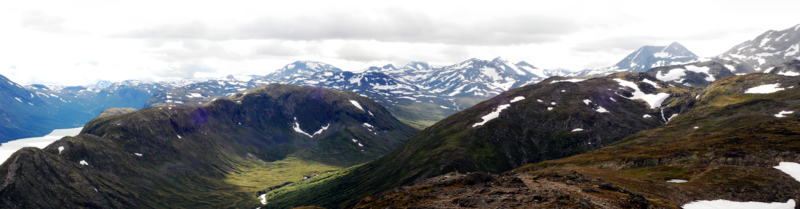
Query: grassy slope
[[729, 155]]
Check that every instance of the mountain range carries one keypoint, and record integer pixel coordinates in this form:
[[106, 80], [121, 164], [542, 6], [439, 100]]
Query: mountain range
[[660, 129]]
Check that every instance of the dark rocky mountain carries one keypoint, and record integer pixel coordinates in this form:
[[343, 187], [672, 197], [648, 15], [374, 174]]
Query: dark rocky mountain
[[549, 120], [183, 157], [768, 49], [644, 59]]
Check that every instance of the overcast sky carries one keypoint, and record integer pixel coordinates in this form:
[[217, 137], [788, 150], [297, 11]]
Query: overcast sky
[[82, 42]]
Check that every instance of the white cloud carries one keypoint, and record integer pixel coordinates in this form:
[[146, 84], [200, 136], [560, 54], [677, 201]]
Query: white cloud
[[43, 40]]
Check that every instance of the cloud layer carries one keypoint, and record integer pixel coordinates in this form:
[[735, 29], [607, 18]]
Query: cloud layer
[[395, 25], [81, 42]]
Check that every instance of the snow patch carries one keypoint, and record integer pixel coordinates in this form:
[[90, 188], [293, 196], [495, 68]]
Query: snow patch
[[727, 204], [297, 129], [138, 154], [783, 114], [355, 103], [549, 108], [700, 70], [83, 162], [651, 83], [577, 129], [788, 73], [672, 75], [517, 99], [587, 101], [263, 199], [61, 148], [677, 181], [494, 114], [654, 100], [600, 109], [574, 80], [731, 68], [646, 116], [179, 136], [764, 89], [790, 168]]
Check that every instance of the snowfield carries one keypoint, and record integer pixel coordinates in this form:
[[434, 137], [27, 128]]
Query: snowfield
[[654, 100], [494, 114], [790, 168], [355, 103], [726, 204], [574, 80], [764, 89]]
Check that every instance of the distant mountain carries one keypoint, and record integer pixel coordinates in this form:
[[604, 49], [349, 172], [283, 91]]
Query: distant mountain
[[773, 52], [299, 69], [24, 113], [416, 92], [161, 157], [481, 78], [645, 58], [768, 49], [102, 84]]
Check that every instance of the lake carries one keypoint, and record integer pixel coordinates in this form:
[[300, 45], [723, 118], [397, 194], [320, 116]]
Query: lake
[[8, 148]]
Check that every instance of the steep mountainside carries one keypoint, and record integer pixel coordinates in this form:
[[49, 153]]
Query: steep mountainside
[[26, 113], [645, 58], [722, 144], [190, 157], [552, 119], [768, 49]]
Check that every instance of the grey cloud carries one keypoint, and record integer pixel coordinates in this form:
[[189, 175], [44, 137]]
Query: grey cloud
[[185, 70], [389, 26]]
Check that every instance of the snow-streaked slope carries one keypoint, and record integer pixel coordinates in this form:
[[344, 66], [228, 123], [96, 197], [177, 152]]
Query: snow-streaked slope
[[768, 49]]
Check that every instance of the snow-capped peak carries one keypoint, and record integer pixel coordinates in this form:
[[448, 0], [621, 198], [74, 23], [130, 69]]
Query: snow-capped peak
[[301, 68]]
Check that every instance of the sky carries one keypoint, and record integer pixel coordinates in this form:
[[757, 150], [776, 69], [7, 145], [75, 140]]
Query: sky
[[81, 42]]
